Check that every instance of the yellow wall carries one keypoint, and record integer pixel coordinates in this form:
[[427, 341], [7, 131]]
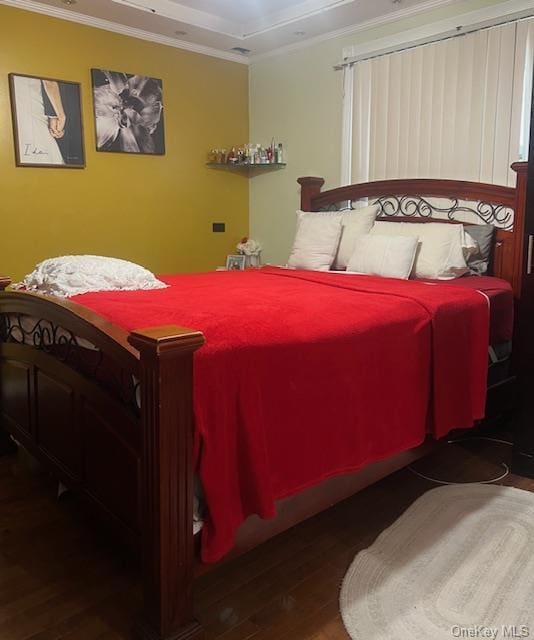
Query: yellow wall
[[154, 210]]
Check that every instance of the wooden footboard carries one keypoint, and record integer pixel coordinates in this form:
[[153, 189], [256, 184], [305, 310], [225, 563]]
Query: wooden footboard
[[111, 414]]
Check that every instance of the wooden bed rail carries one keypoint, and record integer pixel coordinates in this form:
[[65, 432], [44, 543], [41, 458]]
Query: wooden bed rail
[[167, 482]]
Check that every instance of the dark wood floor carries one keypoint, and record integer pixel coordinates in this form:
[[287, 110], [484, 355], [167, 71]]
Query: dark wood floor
[[61, 578]]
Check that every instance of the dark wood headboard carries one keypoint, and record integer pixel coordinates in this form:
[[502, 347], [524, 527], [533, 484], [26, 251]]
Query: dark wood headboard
[[402, 200]]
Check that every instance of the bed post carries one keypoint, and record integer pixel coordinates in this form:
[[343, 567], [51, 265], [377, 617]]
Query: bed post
[[167, 482], [309, 188], [521, 223], [7, 444]]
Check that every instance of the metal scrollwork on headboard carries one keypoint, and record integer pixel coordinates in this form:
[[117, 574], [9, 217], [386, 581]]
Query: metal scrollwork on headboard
[[338, 206], [417, 206]]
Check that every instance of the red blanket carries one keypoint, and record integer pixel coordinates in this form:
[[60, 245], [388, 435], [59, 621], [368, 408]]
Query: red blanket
[[308, 375], [501, 301]]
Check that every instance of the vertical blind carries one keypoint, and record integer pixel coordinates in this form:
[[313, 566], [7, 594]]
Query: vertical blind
[[457, 109]]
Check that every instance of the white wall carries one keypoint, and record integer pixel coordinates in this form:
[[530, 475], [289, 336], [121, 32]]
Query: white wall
[[297, 98]]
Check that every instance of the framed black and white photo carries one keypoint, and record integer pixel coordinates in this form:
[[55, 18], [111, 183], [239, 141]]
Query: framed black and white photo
[[128, 112], [47, 122], [235, 263]]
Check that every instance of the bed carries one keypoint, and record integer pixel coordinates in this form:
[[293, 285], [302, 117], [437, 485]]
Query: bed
[[120, 414]]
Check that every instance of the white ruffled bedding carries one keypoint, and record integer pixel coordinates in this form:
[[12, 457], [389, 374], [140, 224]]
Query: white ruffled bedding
[[68, 276]]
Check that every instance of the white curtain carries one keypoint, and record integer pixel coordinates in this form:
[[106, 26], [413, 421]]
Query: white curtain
[[457, 109], [524, 72]]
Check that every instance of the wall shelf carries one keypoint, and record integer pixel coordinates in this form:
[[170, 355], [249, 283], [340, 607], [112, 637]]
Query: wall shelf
[[246, 168]]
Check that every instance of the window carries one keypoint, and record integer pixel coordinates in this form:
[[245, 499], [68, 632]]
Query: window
[[458, 108]]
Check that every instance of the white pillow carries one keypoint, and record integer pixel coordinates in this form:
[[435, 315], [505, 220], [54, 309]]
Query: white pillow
[[355, 223], [72, 275], [316, 241], [442, 251], [388, 256]]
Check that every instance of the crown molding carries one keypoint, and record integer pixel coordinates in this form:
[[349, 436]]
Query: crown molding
[[269, 22], [467, 22], [233, 28], [352, 29], [407, 12], [285, 17], [107, 25], [183, 14]]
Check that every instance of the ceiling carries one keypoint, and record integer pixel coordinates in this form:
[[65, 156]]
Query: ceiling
[[217, 27], [244, 10]]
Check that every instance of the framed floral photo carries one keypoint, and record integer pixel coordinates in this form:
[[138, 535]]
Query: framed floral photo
[[128, 112], [47, 122], [235, 263]]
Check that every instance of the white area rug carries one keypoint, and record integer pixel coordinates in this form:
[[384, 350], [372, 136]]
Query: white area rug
[[459, 563]]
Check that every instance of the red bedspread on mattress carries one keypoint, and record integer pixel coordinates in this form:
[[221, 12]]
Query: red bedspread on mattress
[[501, 299], [307, 375]]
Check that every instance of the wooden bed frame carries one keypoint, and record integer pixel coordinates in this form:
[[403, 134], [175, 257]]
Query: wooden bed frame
[[75, 408]]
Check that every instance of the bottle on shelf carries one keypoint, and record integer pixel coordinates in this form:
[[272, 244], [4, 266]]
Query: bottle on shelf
[[271, 152], [249, 154]]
